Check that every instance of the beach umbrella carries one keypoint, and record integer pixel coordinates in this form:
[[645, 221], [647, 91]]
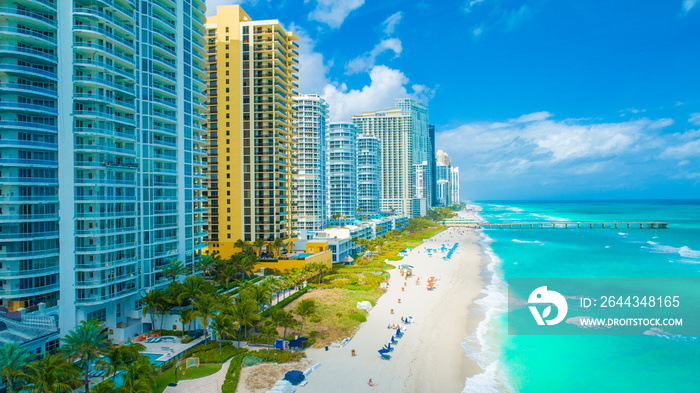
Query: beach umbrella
[[407, 266]]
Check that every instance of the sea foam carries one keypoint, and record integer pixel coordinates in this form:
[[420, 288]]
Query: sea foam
[[482, 346]]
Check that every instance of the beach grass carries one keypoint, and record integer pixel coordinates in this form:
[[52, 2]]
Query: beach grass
[[336, 308]]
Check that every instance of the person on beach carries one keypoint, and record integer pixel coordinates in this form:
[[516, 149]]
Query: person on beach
[[370, 383]]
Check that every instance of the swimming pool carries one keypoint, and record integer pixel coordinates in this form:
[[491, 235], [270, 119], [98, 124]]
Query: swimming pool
[[153, 357]]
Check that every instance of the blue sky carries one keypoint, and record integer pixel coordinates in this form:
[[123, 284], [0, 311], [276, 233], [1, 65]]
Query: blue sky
[[533, 99]]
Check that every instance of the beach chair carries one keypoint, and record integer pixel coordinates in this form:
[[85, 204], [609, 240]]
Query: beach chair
[[384, 356], [388, 347], [393, 340], [398, 333]]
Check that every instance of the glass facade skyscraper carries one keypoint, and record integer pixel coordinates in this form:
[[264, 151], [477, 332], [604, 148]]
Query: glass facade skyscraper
[[116, 163]]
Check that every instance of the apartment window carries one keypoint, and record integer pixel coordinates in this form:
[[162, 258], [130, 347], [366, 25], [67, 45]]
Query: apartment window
[[100, 315], [226, 46], [227, 29], [119, 310]]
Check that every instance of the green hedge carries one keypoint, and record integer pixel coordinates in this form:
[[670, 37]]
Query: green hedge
[[286, 301], [209, 353], [233, 374], [277, 356], [358, 317]]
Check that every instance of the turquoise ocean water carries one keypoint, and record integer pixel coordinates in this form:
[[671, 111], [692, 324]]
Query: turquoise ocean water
[[645, 363]]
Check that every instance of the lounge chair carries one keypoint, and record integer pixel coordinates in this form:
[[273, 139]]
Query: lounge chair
[[384, 356], [388, 347], [393, 340]]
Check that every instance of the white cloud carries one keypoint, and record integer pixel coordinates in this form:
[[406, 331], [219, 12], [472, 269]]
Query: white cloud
[[536, 144], [537, 116], [312, 67], [391, 22], [385, 86], [334, 12], [695, 119], [477, 31], [688, 5], [470, 4], [367, 60]]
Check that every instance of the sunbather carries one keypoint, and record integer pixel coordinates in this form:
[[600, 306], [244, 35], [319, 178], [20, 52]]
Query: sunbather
[[370, 383]]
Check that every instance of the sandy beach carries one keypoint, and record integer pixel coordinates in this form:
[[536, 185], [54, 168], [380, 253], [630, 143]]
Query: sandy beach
[[429, 357]]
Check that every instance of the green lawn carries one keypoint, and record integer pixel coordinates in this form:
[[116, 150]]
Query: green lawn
[[167, 377]]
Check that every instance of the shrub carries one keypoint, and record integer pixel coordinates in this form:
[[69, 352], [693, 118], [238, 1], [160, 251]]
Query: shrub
[[209, 353], [286, 301], [177, 333], [277, 356], [358, 317], [233, 374], [187, 339], [315, 319]]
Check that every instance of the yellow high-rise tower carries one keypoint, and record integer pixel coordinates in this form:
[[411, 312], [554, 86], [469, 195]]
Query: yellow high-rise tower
[[252, 74]]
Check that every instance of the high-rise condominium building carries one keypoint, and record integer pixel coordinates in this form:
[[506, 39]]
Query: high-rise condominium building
[[432, 163], [454, 185], [369, 159], [443, 176], [102, 129], [404, 136], [310, 165], [252, 74], [342, 169]]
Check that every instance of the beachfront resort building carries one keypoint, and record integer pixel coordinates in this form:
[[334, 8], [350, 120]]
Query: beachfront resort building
[[404, 135], [342, 170], [102, 127], [432, 163], [309, 137], [251, 82], [454, 185], [368, 175]]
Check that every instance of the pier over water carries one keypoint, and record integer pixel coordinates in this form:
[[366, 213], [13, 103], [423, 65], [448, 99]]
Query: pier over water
[[556, 224]]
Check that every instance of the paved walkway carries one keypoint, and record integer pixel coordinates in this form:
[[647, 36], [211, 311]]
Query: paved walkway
[[210, 384]]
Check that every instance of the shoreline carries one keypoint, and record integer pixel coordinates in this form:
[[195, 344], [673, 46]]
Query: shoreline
[[431, 355]]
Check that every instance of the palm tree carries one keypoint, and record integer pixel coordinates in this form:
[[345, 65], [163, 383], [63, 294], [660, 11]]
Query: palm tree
[[222, 325], [166, 307], [243, 312], [226, 275], [206, 263], [258, 244], [138, 376], [152, 302], [305, 309], [261, 295], [240, 244], [193, 287], [286, 320], [107, 386], [204, 308], [52, 374], [275, 285], [118, 358], [86, 343], [277, 246], [13, 360], [321, 268], [270, 332], [174, 268], [186, 317], [248, 263]]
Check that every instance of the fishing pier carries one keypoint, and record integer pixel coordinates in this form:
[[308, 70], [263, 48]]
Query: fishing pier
[[556, 224]]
